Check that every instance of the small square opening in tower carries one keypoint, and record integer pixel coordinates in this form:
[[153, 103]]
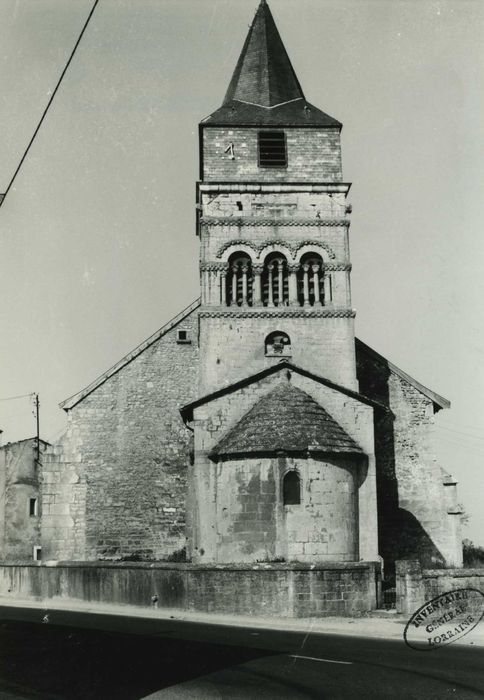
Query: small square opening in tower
[[272, 149], [37, 552], [182, 336]]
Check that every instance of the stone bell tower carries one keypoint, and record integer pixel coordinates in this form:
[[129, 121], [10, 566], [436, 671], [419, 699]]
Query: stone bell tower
[[273, 226]]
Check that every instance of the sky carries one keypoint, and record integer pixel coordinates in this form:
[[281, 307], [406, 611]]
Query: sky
[[97, 235]]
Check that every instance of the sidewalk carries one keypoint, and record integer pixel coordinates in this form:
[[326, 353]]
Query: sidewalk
[[389, 626]]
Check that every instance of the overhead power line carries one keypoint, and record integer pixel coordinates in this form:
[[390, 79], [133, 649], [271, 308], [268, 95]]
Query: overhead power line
[[4, 195], [22, 396]]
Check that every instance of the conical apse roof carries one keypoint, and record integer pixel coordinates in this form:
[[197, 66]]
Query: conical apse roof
[[286, 419]]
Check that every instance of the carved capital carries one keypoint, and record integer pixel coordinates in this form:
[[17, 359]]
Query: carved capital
[[214, 267]]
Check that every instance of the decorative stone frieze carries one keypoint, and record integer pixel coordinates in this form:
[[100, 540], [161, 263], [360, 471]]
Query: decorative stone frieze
[[337, 267], [214, 267], [275, 312], [255, 221]]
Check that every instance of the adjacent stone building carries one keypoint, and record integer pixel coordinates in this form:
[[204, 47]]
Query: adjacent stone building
[[254, 426], [20, 499]]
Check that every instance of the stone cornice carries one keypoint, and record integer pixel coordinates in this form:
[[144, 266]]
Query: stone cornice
[[273, 187], [283, 312], [256, 222]]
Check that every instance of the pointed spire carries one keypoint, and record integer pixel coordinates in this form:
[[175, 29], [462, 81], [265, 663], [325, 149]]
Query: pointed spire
[[264, 89], [264, 75]]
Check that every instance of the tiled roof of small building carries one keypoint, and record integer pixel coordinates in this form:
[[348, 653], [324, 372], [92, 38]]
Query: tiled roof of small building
[[286, 419], [264, 89]]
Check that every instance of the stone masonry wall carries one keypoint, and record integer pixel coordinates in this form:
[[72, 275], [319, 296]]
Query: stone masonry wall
[[20, 478], [280, 590], [213, 419], [414, 522], [116, 485], [312, 155], [416, 586], [253, 524], [276, 207], [233, 348]]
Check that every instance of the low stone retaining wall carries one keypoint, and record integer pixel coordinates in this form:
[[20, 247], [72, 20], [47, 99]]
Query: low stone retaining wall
[[415, 586], [288, 590]]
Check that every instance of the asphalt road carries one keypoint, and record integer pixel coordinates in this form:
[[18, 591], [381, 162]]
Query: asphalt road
[[67, 656]]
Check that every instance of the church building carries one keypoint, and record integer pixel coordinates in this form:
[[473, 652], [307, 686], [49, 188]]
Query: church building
[[254, 426]]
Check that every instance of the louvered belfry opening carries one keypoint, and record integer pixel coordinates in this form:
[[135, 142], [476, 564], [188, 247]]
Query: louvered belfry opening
[[272, 149]]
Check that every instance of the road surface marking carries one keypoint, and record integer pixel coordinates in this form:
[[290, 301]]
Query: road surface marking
[[314, 658]]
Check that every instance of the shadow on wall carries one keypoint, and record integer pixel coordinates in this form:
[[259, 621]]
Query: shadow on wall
[[400, 535]]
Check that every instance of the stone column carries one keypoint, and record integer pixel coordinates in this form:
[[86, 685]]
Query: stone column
[[223, 287], [257, 285], [245, 268], [306, 284], [234, 285], [280, 283], [270, 291], [293, 270], [327, 288], [315, 270]]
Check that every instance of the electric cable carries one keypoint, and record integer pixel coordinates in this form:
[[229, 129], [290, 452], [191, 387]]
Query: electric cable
[[44, 114]]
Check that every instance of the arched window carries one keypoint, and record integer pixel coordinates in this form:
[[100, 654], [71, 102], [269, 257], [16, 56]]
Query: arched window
[[291, 489], [278, 344], [239, 280], [275, 285], [310, 280]]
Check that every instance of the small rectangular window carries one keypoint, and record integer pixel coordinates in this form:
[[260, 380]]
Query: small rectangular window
[[37, 553], [33, 507], [272, 149], [182, 336]]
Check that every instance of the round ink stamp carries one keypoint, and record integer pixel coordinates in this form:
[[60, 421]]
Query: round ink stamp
[[444, 619]]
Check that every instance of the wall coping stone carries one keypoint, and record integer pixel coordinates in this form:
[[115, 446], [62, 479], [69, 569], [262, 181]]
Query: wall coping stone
[[455, 573], [180, 566]]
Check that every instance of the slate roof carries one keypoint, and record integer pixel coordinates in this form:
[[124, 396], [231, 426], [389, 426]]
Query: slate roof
[[290, 420], [264, 89]]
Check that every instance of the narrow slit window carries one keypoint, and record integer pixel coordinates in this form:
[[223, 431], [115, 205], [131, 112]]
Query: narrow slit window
[[37, 553], [272, 149], [291, 489], [33, 507]]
